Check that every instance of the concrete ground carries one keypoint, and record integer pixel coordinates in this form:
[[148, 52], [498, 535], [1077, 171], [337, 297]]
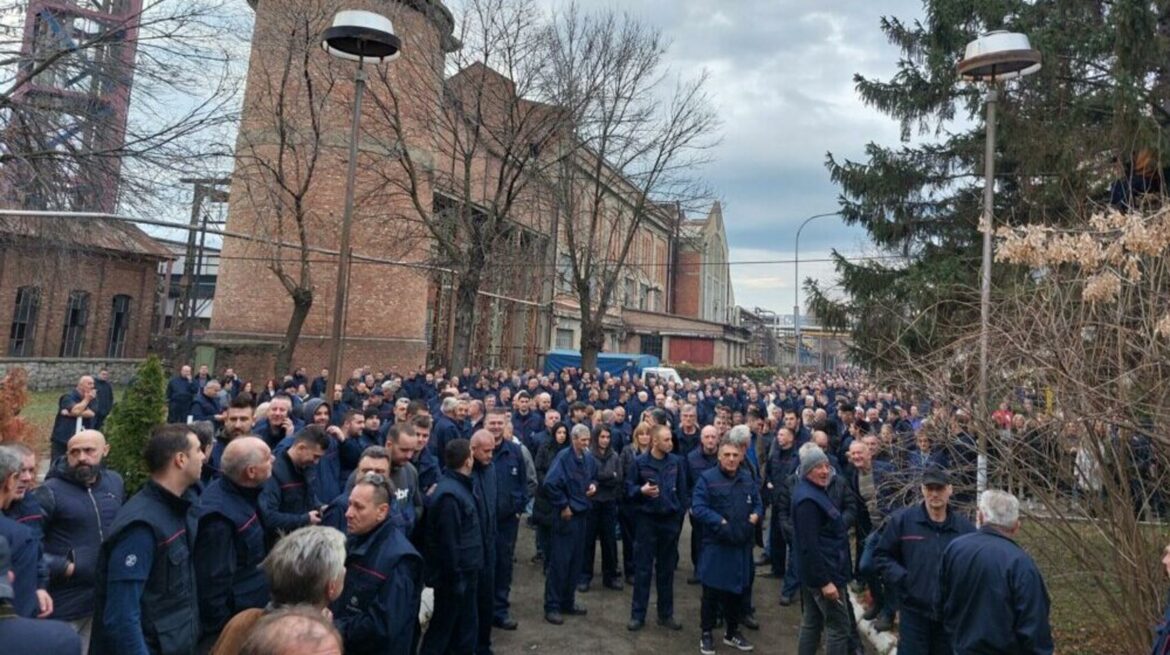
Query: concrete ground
[[603, 630]]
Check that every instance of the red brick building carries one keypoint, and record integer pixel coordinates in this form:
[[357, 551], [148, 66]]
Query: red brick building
[[76, 287], [400, 306]]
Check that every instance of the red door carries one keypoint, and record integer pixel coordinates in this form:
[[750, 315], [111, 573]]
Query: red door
[[692, 350]]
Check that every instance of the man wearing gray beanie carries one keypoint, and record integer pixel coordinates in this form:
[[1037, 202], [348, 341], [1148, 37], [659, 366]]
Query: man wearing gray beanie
[[822, 555]]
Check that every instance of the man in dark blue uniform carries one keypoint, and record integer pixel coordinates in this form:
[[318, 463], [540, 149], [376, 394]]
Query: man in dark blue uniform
[[698, 461], [657, 485], [569, 485], [29, 636], [908, 553], [425, 460], [485, 490], [993, 596], [287, 501], [230, 542], [378, 609], [511, 499], [280, 423], [821, 552], [146, 600], [79, 501], [74, 405], [525, 422], [26, 547], [454, 546], [727, 504], [181, 391]]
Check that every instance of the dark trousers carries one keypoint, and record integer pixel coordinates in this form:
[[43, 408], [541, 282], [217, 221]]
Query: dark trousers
[[485, 600], [821, 615], [696, 543], [868, 573], [717, 602], [626, 520], [601, 523], [777, 547], [655, 553], [918, 635], [566, 549], [453, 626], [505, 551]]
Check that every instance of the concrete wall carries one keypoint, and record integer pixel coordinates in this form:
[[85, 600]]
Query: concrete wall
[[58, 373]]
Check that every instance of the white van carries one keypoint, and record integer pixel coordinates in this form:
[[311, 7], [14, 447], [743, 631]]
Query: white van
[[663, 373]]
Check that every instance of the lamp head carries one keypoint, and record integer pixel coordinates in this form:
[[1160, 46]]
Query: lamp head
[[998, 56], [361, 36]]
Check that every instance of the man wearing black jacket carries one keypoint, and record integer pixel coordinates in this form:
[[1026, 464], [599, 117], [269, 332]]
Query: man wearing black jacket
[[287, 501]]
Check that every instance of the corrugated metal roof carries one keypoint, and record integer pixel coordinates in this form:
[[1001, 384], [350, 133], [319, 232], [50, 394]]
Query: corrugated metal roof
[[85, 233]]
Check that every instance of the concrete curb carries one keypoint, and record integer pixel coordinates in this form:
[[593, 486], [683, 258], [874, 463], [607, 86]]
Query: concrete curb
[[883, 643]]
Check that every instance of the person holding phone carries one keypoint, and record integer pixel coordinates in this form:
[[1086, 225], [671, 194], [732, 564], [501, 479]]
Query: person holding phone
[[822, 556], [657, 485]]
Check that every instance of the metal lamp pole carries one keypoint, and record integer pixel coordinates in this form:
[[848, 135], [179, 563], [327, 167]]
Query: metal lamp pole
[[992, 58], [354, 36], [796, 304]]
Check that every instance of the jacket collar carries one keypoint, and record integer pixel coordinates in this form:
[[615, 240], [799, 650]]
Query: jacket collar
[[361, 545]]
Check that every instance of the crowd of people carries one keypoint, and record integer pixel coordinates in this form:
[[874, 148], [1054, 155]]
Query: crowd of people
[[309, 517]]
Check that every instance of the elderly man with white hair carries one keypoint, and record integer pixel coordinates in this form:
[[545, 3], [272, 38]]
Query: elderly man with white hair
[[993, 596]]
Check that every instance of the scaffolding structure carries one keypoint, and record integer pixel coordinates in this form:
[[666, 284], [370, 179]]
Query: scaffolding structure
[[66, 122]]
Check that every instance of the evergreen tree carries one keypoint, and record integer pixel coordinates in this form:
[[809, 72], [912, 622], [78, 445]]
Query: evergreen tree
[[142, 408], [1102, 95]]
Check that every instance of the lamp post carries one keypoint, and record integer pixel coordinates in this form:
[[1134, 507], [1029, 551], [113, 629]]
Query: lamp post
[[359, 36], [992, 58], [796, 303]]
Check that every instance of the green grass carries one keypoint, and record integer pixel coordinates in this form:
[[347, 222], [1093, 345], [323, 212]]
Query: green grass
[[1083, 623], [41, 411]]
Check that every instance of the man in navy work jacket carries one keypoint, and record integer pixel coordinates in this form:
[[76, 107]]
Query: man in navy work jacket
[[29, 636], [821, 550], [569, 485], [231, 537], [908, 553], [146, 600], [454, 547], [511, 499], [378, 609], [993, 598], [287, 501], [657, 485], [26, 548], [700, 460], [726, 503], [79, 501]]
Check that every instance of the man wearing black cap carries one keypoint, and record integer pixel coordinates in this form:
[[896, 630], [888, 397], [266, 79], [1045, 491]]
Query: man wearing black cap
[[908, 555], [34, 636]]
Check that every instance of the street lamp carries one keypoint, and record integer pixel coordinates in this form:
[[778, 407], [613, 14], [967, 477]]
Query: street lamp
[[796, 303], [992, 58], [359, 36]]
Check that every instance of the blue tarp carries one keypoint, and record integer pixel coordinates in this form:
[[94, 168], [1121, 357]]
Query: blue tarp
[[612, 363]]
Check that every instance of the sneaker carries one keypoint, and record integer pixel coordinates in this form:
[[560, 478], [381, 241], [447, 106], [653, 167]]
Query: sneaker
[[883, 623], [871, 613], [707, 644], [554, 618], [749, 621], [669, 623], [785, 601], [693, 579], [635, 625], [738, 642]]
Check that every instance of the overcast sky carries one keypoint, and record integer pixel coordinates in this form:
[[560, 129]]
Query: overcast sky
[[782, 77]]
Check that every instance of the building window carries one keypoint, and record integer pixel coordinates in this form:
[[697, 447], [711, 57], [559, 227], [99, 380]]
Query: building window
[[24, 322], [652, 345], [631, 293], [644, 300], [564, 339], [565, 273], [119, 326], [76, 317]]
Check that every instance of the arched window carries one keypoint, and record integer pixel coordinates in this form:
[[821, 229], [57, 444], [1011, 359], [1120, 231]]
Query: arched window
[[119, 326], [76, 318], [24, 322]]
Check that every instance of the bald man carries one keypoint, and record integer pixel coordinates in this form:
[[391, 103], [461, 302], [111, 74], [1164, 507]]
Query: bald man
[[485, 489], [293, 631], [79, 500], [73, 414], [230, 540]]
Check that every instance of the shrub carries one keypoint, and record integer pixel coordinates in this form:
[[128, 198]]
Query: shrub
[[142, 408], [759, 375], [13, 398]]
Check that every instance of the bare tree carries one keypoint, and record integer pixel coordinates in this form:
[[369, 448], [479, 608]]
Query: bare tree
[[471, 164], [100, 102], [634, 148]]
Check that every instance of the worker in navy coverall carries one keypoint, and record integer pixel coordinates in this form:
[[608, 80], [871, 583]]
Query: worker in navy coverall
[[657, 484], [570, 484]]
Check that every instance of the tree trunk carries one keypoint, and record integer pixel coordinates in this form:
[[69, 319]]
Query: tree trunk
[[466, 294], [592, 341], [302, 301]]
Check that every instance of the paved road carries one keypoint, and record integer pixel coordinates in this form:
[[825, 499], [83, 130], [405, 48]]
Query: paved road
[[603, 630]]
